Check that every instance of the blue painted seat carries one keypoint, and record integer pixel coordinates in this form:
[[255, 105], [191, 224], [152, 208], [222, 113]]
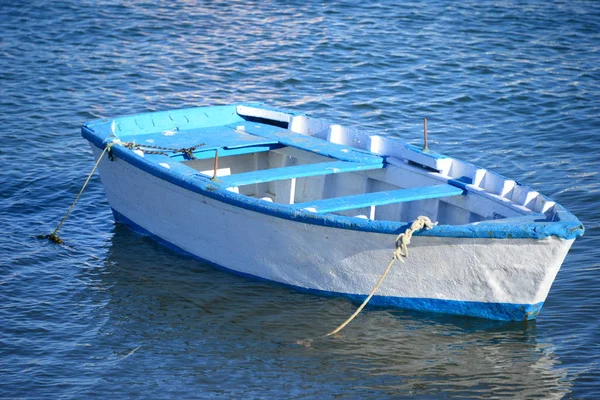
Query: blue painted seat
[[296, 171], [379, 198], [311, 144]]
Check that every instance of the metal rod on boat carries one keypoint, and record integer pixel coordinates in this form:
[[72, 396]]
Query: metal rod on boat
[[216, 167], [425, 146]]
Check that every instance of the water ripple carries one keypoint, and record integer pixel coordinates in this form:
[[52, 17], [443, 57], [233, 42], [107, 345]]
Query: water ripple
[[511, 86]]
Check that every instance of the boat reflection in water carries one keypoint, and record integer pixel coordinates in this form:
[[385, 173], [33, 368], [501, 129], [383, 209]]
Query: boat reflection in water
[[181, 320]]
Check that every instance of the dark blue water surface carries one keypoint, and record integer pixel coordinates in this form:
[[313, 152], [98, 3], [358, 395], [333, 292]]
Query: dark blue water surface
[[513, 86]]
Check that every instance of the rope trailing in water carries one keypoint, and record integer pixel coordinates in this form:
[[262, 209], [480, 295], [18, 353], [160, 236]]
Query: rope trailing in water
[[54, 235], [401, 252]]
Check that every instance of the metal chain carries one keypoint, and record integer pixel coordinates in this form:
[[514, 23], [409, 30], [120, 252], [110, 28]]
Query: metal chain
[[187, 151]]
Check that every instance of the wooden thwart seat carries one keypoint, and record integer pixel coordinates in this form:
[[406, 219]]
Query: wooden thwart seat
[[296, 171], [379, 198], [311, 144]]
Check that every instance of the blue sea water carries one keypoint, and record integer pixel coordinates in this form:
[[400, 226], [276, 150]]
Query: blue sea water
[[513, 86]]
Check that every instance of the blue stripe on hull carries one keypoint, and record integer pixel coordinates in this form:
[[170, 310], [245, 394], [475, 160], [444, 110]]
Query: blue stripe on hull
[[494, 311]]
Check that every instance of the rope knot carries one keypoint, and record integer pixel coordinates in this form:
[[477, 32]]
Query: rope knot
[[403, 239]]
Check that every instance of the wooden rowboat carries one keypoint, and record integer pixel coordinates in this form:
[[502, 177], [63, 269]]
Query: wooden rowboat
[[296, 200]]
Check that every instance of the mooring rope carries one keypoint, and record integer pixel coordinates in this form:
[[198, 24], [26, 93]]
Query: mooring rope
[[54, 235], [400, 253], [188, 152]]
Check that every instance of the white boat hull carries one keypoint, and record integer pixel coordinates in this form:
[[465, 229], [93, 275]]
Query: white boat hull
[[504, 279]]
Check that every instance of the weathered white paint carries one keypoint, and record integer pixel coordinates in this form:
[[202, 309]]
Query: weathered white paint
[[334, 260]]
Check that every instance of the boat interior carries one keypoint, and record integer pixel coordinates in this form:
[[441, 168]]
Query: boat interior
[[370, 193], [323, 168]]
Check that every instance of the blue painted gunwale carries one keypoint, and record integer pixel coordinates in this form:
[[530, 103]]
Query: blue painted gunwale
[[102, 132], [478, 309]]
